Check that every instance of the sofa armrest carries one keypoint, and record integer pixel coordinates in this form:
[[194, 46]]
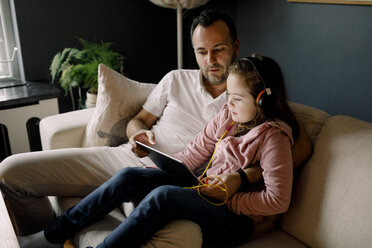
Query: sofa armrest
[[64, 130]]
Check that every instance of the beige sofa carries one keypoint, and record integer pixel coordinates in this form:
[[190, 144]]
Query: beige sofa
[[332, 194]]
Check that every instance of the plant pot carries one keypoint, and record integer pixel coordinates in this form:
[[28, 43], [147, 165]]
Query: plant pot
[[91, 100]]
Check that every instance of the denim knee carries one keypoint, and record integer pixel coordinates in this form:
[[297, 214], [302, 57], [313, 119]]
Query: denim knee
[[167, 195], [126, 176], [167, 191]]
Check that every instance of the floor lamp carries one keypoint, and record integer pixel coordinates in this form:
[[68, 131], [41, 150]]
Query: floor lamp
[[179, 5]]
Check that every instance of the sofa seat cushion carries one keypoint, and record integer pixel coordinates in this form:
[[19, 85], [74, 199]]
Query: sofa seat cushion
[[95, 233], [276, 238], [332, 198], [171, 236]]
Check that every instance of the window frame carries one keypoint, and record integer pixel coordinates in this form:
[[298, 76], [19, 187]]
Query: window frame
[[10, 45]]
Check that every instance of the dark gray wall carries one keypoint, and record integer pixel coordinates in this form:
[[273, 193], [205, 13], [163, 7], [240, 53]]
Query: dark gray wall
[[141, 31], [135, 28], [325, 50]]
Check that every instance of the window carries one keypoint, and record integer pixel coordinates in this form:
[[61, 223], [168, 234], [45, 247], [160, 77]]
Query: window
[[11, 66]]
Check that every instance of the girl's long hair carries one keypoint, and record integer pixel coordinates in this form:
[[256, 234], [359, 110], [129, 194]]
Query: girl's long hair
[[271, 73]]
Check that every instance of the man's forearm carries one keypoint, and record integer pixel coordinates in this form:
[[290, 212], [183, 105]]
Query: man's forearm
[[254, 174], [142, 121], [134, 126]]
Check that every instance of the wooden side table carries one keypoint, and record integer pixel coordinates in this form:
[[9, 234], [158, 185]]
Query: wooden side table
[[8, 238]]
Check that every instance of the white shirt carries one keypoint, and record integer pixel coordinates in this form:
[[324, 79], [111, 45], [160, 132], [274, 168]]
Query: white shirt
[[183, 106]]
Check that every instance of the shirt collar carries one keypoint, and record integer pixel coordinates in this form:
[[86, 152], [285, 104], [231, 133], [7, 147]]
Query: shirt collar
[[222, 97]]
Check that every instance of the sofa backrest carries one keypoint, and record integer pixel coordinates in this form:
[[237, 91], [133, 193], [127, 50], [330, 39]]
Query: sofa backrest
[[312, 118], [332, 195]]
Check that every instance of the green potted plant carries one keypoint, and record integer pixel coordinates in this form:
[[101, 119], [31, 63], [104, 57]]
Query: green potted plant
[[74, 67]]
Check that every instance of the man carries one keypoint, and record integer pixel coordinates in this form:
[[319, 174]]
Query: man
[[26, 179]]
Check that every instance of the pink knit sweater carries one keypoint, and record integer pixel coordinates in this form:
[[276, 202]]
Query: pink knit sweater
[[269, 144]]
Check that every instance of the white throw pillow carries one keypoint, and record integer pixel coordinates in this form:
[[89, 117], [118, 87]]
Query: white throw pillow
[[119, 99]]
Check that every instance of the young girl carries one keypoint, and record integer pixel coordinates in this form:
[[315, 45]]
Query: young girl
[[255, 126]]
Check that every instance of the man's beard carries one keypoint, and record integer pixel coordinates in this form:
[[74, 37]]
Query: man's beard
[[216, 80], [223, 77]]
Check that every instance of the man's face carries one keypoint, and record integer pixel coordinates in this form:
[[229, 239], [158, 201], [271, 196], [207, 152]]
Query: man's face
[[214, 51]]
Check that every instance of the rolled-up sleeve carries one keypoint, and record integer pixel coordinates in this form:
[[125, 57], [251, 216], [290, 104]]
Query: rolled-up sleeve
[[158, 98]]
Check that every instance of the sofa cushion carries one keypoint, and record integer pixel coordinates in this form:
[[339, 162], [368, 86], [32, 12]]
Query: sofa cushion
[[171, 236], [332, 198], [64, 130], [277, 238], [119, 99], [312, 118]]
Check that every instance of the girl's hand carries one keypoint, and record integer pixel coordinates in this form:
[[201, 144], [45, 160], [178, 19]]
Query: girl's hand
[[232, 181], [144, 136], [213, 191]]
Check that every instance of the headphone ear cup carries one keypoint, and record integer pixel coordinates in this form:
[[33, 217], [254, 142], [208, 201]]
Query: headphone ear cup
[[261, 99], [266, 102]]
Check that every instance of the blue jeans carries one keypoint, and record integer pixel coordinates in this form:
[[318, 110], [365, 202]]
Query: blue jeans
[[164, 199]]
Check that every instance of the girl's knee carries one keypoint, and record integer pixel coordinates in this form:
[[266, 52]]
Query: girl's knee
[[123, 172], [167, 193], [123, 175], [128, 175]]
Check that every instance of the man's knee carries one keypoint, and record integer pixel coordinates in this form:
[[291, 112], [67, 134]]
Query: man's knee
[[5, 165], [20, 170], [9, 169]]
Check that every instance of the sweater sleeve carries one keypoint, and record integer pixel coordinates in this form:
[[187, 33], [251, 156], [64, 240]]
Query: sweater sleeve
[[201, 147], [276, 162]]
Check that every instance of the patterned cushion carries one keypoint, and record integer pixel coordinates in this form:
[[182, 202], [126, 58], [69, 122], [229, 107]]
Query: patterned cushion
[[119, 99]]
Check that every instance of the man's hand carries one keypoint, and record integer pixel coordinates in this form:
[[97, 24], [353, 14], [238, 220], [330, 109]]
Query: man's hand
[[138, 129], [144, 136]]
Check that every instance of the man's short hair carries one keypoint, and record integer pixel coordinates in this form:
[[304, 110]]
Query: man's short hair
[[208, 17]]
